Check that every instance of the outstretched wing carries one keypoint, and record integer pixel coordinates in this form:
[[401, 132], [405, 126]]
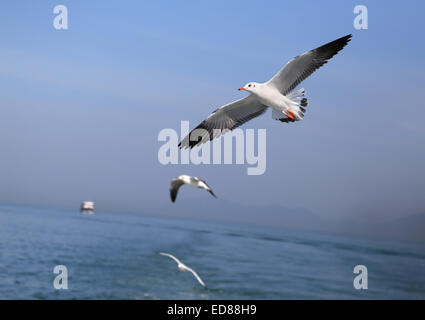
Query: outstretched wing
[[174, 188], [170, 256], [224, 119], [208, 188], [302, 66], [196, 276]]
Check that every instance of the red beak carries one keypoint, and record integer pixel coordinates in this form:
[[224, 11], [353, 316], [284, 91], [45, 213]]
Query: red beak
[[241, 89]]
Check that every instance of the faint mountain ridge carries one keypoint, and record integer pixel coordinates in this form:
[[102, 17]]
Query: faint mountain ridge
[[272, 215], [410, 228]]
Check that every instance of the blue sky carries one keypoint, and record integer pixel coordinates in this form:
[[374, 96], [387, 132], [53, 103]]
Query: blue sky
[[81, 109]]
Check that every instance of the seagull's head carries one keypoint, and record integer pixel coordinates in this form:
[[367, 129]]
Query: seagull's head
[[250, 87]]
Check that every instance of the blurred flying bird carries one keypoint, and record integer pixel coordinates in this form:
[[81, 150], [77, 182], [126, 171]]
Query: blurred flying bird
[[183, 267], [191, 181]]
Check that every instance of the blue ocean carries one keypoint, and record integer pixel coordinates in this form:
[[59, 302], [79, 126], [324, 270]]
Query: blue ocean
[[114, 255]]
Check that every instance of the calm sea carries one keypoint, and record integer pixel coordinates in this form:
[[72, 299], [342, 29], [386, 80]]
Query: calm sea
[[115, 256]]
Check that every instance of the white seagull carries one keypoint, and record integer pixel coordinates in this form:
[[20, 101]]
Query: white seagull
[[183, 267], [275, 94], [191, 181]]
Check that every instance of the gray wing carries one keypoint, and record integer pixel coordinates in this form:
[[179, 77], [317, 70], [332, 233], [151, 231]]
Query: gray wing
[[174, 188], [302, 66], [224, 119]]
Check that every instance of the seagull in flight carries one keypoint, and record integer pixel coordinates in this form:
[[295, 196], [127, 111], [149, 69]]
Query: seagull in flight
[[183, 267], [287, 106], [191, 181]]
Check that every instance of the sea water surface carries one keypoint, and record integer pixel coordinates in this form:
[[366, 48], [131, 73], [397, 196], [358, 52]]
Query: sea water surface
[[115, 256]]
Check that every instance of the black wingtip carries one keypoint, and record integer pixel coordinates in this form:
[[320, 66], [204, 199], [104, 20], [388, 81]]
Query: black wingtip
[[212, 193], [286, 120], [192, 143], [328, 50], [344, 40], [183, 147], [340, 43], [173, 197], [349, 37]]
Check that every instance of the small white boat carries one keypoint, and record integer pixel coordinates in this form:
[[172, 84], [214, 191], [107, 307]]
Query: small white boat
[[87, 207]]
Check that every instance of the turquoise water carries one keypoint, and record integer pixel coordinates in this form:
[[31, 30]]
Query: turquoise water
[[115, 256]]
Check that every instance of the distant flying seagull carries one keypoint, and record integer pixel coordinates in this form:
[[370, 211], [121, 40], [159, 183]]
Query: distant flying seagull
[[191, 181], [183, 267], [275, 93]]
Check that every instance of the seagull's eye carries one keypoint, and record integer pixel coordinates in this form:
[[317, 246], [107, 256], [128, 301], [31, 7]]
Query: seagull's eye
[[249, 86]]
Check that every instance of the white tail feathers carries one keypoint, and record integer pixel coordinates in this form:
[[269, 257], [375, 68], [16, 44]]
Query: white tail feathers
[[298, 96], [299, 102], [297, 107]]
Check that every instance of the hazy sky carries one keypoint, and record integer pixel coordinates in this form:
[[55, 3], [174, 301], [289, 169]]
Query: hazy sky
[[81, 109]]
